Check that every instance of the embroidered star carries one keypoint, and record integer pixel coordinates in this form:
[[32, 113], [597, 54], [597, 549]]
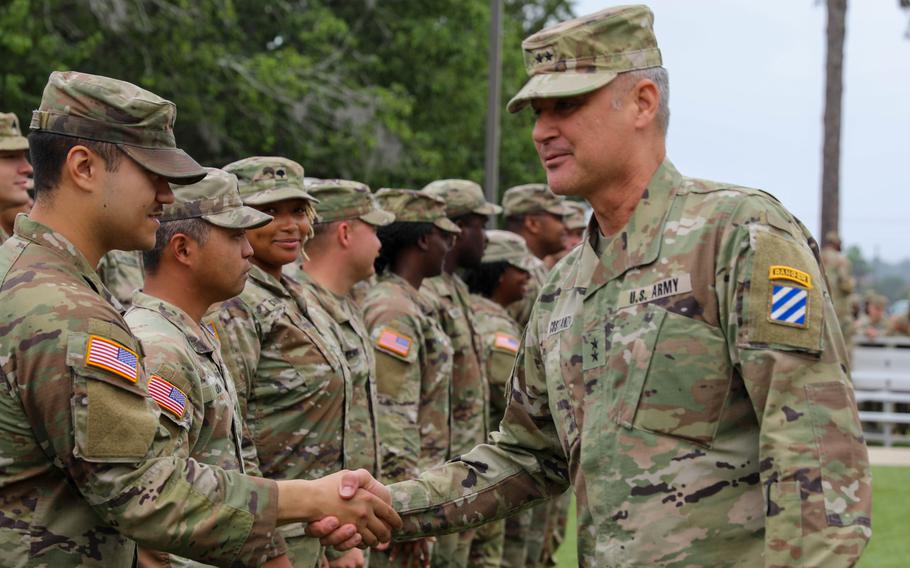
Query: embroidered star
[[549, 56], [539, 58]]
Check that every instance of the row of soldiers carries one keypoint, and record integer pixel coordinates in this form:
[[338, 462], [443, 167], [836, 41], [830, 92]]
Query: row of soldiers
[[355, 330]]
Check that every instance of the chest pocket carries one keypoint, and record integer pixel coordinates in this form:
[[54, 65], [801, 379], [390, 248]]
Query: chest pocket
[[670, 373]]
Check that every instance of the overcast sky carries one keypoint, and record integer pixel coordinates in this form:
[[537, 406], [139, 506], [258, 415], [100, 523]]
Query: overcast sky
[[747, 90]]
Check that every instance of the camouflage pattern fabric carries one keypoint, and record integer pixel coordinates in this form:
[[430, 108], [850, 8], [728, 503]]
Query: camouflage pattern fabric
[[839, 274], [291, 385], [90, 467], [470, 392], [697, 423], [3, 236], [182, 354], [122, 274], [533, 198], [413, 381], [11, 137], [521, 309]]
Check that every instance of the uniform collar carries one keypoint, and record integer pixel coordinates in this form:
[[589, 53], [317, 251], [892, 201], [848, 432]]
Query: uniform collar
[[286, 287], [638, 243], [193, 331], [44, 236]]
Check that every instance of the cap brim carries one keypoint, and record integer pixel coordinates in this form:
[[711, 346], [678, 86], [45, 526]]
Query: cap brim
[[275, 195], [173, 164], [378, 217], [523, 263], [446, 225], [488, 209], [12, 144], [560, 210], [239, 218], [562, 84]]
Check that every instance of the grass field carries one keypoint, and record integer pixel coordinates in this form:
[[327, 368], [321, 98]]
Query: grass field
[[890, 545]]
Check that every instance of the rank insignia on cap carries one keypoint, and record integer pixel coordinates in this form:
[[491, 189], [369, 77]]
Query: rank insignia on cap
[[779, 272], [789, 305], [505, 342], [167, 395], [113, 357], [394, 342]]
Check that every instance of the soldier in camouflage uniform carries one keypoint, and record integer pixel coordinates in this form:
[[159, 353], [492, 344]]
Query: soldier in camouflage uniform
[[15, 168], [576, 223], [466, 208], [413, 353], [839, 274], [200, 258], [341, 253], [501, 279], [90, 464], [535, 213], [292, 382], [899, 326], [683, 369], [874, 321], [122, 274]]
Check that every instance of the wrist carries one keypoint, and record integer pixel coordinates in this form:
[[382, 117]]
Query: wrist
[[296, 501]]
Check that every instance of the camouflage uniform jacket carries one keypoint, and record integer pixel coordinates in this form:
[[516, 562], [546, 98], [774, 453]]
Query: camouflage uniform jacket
[[521, 309], [655, 377], [3, 236], [840, 283], [500, 337], [413, 378], [121, 272], [470, 391], [88, 461], [342, 325]]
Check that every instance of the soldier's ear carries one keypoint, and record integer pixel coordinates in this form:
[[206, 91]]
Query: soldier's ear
[[82, 168], [343, 232], [423, 242], [182, 249]]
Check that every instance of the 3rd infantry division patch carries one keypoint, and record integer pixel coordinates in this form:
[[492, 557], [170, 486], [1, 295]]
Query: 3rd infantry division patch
[[789, 305]]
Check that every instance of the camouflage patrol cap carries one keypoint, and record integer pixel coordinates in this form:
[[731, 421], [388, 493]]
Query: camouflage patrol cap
[[575, 218], [832, 238], [532, 198], [874, 298], [267, 179], [461, 197], [11, 137], [506, 246], [216, 198], [413, 206], [584, 54], [99, 108], [345, 199]]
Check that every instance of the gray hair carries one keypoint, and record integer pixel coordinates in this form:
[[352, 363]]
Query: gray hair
[[195, 228], [658, 76]]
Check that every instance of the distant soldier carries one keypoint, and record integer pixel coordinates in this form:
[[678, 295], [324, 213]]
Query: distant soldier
[[681, 369], [413, 353], [500, 280], [537, 215], [292, 381], [900, 324], [122, 274], [466, 208], [15, 168], [200, 257], [90, 465], [8, 216], [576, 223], [874, 321], [340, 254], [839, 274]]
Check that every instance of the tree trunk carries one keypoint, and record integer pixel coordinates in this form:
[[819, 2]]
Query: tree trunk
[[834, 91]]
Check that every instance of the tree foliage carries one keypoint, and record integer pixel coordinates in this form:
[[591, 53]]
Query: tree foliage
[[392, 93]]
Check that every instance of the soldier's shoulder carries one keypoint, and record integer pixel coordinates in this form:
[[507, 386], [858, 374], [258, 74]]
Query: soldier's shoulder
[[737, 204], [388, 300]]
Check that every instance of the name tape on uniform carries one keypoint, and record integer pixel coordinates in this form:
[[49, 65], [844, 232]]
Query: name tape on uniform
[[559, 324], [113, 357], [671, 286]]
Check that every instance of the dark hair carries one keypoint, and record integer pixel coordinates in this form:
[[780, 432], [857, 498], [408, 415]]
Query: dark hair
[[320, 229], [195, 228], [485, 278], [396, 237], [48, 150]]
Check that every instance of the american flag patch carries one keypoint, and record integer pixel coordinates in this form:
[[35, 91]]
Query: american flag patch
[[505, 342], [167, 395], [789, 305], [394, 342], [112, 356]]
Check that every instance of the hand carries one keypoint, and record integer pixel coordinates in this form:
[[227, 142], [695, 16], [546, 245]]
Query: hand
[[415, 553], [353, 559], [278, 562], [352, 497]]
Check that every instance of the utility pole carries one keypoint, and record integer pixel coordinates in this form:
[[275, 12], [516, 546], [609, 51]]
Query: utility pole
[[834, 94], [491, 145]]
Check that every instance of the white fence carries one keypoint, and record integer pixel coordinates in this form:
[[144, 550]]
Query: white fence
[[881, 380]]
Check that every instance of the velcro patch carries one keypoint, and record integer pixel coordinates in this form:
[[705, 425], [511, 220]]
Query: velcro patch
[[789, 305], [167, 396], [780, 272], [113, 357], [505, 342], [394, 342]]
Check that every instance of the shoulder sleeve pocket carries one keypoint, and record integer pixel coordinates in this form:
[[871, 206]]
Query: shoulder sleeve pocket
[[113, 419]]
